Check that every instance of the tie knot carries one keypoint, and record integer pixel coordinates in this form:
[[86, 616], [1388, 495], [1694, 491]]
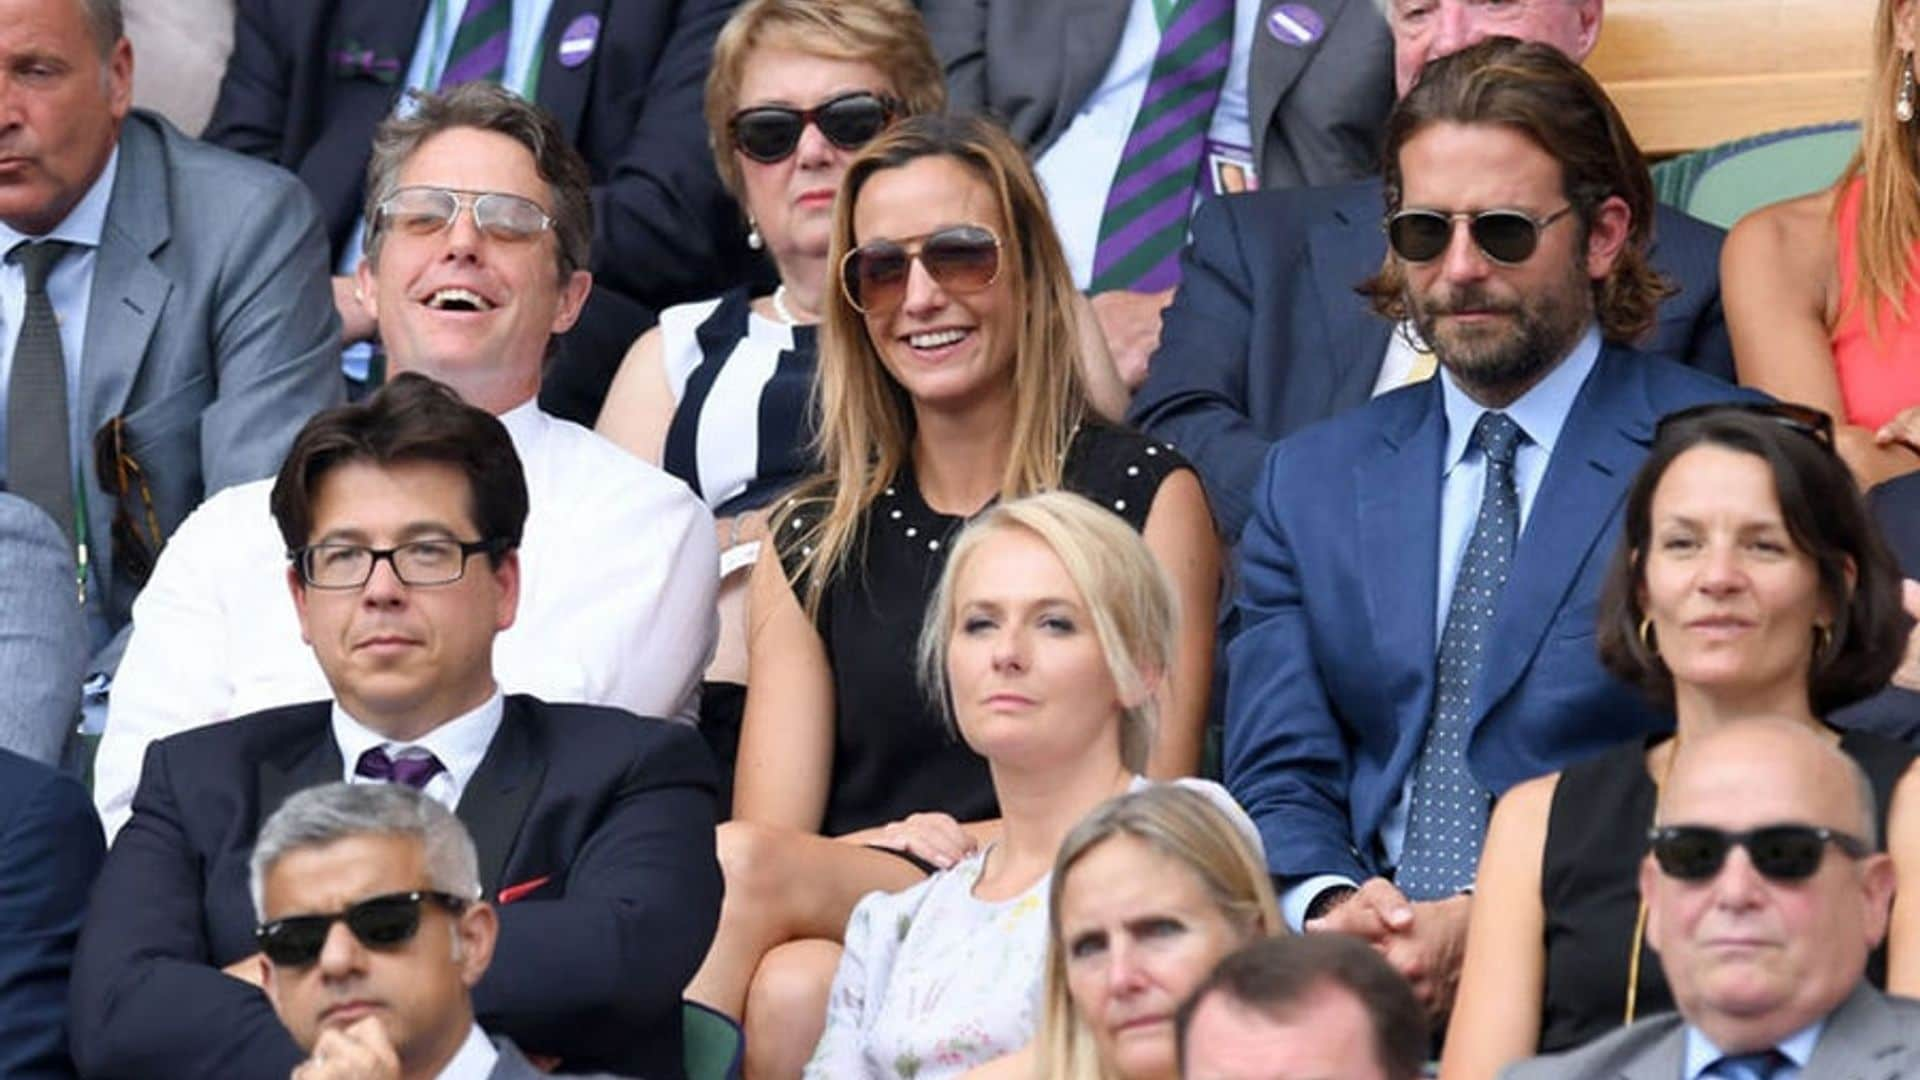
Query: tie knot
[[1497, 436], [36, 259], [413, 770], [1761, 1065]]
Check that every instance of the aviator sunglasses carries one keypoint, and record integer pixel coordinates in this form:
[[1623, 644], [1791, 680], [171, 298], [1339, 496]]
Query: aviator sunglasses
[[768, 133], [380, 922], [960, 258], [1507, 237], [1779, 852], [425, 211]]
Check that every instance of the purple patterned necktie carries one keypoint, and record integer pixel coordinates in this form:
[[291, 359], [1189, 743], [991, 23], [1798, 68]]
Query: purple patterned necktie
[[1145, 221], [412, 770], [479, 52]]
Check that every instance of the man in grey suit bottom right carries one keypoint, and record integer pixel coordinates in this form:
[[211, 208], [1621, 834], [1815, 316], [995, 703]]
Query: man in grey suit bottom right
[[373, 933], [1765, 891]]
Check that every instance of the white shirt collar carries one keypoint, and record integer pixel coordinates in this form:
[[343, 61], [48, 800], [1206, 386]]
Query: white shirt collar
[[1701, 1052], [524, 423], [460, 743], [83, 224], [1540, 412], [475, 1060]]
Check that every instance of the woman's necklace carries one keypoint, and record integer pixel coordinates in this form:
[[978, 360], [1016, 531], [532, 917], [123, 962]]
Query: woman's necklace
[[780, 306], [1640, 916]]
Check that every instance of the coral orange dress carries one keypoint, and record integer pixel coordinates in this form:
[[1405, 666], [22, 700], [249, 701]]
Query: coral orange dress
[[1878, 377]]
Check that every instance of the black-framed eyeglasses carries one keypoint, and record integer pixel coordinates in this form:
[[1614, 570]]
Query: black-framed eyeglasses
[[136, 537], [417, 562], [1507, 237], [426, 211], [379, 922], [1805, 419], [960, 258], [769, 133], [1779, 852]]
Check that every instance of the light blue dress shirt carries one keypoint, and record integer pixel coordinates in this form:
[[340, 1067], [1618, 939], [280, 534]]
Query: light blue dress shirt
[[524, 43], [70, 289], [1541, 413], [1798, 1048]]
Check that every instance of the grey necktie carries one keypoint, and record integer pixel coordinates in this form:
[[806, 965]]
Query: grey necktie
[[39, 461], [1447, 819]]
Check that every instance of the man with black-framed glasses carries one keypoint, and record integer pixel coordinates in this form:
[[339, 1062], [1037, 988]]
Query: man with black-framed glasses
[[1766, 889], [400, 520]]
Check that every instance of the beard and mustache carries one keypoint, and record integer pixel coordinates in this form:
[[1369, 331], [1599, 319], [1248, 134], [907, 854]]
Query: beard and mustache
[[1530, 332]]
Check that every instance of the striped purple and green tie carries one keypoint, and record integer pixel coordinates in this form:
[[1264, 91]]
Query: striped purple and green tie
[[479, 52], [1145, 221]]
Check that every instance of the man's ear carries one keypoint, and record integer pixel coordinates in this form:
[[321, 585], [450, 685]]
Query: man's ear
[[299, 590], [507, 576], [1607, 234], [478, 928], [1649, 880], [363, 288], [1877, 881], [573, 296]]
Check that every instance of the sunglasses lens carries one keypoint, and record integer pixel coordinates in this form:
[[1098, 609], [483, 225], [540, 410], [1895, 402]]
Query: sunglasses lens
[[1690, 854], [767, 134], [852, 121], [509, 217], [422, 211], [294, 942], [1506, 236], [1419, 235], [1786, 852], [384, 920], [876, 275], [964, 259]]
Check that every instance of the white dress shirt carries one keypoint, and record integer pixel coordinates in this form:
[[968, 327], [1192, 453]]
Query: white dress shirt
[[618, 572], [475, 1059], [459, 745]]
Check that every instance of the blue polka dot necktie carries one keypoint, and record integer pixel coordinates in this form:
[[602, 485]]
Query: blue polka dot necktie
[[1447, 818], [413, 770]]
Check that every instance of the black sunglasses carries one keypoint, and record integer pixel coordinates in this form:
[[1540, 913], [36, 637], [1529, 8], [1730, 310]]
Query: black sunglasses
[[1505, 236], [768, 133], [960, 258], [1779, 852], [1805, 419], [380, 922]]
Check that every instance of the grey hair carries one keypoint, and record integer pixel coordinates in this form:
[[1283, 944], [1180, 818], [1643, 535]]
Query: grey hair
[[327, 814], [105, 23]]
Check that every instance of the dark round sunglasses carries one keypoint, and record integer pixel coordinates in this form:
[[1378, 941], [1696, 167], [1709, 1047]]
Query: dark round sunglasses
[[1779, 852], [1507, 237], [961, 258], [380, 922], [769, 133]]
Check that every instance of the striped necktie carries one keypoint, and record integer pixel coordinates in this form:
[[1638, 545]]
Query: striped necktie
[[479, 52], [1145, 220]]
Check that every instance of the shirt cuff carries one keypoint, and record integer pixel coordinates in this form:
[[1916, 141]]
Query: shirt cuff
[[1294, 902]]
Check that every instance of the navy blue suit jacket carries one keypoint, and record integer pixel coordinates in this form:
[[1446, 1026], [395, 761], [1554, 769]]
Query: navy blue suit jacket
[[1266, 334], [1896, 506], [613, 812], [1330, 681], [50, 850], [664, 229]]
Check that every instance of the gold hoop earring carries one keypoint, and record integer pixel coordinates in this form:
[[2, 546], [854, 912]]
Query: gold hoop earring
[[1646, 636], [1903, 101], [1822, 640]]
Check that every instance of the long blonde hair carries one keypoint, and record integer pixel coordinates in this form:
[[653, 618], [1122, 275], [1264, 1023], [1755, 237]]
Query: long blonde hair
[[1888, 225], [866, 418], [1182, 825]]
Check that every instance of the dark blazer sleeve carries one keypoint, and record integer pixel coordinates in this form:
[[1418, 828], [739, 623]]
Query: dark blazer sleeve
[[147, 1000], [1691, 328], [1196, 389], [601, 967], [50, 850]]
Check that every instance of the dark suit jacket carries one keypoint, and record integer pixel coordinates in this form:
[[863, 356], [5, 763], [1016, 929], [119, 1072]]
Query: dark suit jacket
[[50, 850], [614, 811], [664, 229], [1330, 681], [1896, 506], [1266, 334], [1316, 111]]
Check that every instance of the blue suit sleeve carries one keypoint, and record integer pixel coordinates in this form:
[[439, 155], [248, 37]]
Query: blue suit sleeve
[[1286, 756], [1195, 396], [50, 850]]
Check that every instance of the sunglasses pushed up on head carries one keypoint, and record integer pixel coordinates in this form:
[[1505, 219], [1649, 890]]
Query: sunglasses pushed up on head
[[959, 258], [770, 133]]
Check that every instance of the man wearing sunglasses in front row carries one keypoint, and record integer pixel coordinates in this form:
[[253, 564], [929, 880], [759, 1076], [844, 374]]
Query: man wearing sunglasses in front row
[[373, 934], [1765, 891], [1419, 577], [402, 517]]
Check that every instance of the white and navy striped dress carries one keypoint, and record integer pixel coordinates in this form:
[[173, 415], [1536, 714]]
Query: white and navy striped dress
[[740, 383]]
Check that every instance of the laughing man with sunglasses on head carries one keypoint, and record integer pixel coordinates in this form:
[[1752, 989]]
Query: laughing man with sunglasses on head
[[1766, 889]]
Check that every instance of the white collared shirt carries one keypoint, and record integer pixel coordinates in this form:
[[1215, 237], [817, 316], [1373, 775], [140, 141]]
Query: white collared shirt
[[475, 1059], [618, 572], [459, 744]]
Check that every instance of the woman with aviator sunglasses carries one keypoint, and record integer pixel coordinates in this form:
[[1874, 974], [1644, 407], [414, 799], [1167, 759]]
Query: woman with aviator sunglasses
[[1749, 583], [717, 394], [949, 379]]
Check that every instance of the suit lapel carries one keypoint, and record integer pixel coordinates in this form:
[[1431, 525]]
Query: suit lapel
[[129, 291], [1604, 440], [1089, 34], [496, 800], [1346, 249], [1861, 1038], [1399, 519], [1663, 1059], [1274, 67], [309, 762], [563, 89]]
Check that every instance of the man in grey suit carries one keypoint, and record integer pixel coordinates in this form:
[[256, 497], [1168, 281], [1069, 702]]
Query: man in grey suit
[[1765, 891], [165, 310], [42, 639], [373, 934]]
